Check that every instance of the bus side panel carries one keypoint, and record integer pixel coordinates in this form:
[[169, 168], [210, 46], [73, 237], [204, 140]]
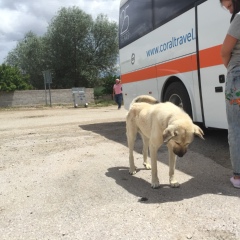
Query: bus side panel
[[182, 26], [132, 90], [165, 44], [212, 29], [172, 40], [163, 53]]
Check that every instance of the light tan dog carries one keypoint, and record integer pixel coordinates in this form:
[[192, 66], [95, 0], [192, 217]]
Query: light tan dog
[[159, 123]]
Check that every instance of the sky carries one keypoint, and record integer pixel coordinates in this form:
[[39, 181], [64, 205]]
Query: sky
[[17, 17]]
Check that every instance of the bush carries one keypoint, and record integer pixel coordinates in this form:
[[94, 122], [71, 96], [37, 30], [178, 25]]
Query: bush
[[107, 83], [98, 92], [12, 79]]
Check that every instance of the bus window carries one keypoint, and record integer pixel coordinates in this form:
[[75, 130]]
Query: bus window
[[166, 10], [135, 20]]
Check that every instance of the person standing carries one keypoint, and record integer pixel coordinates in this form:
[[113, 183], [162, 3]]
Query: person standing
[[117, 92], [230, 53]]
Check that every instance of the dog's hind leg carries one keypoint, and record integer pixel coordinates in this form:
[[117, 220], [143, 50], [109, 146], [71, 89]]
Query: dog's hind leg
[[172, 164], [131, 137], [145, 152]]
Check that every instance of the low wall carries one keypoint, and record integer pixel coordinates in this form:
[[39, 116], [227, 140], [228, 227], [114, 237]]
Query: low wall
[[38, 97]]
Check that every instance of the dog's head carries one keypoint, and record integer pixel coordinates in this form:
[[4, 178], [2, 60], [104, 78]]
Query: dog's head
[[180, 136]]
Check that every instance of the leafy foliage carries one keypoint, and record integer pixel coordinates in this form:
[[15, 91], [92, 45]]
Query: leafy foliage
[[28, 56], [12, 79], [107, 83], [75, 48], [98, 92]]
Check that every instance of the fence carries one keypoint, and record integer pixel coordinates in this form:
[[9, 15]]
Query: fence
[[37, 97]]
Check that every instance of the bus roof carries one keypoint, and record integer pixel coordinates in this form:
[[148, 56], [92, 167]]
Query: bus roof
[[123, 2]]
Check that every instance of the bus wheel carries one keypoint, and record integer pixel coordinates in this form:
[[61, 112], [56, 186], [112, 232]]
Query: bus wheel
[[177, 94]]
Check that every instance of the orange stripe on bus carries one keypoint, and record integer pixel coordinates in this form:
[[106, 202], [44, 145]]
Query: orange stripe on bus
[[182, 65], [208, 57]]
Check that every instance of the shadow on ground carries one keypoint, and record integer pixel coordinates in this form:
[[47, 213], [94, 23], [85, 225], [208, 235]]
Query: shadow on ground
[[215, 147], [196, 186]]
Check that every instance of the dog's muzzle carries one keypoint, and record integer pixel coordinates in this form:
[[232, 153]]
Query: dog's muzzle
[[180, 153]]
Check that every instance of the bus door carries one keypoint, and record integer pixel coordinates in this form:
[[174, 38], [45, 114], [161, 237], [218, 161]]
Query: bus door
[[212, 24]]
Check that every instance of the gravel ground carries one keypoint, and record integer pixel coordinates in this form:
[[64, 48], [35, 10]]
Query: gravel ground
[[64, 175]]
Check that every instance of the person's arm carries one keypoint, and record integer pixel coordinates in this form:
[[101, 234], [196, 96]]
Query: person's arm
[[227, 47]]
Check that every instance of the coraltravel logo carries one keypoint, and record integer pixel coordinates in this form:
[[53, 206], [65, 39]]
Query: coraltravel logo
[[174, 42]]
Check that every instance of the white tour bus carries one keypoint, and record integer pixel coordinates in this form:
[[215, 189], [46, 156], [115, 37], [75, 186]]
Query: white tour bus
[[170, 49]]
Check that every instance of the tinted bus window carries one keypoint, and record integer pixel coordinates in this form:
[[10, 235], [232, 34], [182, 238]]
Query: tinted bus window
[[135, 20], [166, 10]]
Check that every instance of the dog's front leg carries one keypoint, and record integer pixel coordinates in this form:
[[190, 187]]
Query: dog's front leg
[[131, 137], [146, 164], [172, 164], [132, 167], [153, 155]]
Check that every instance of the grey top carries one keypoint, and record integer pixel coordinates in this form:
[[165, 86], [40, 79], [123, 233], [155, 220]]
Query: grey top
[[234, 31]]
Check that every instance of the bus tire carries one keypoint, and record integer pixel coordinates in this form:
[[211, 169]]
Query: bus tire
[[177, 94]]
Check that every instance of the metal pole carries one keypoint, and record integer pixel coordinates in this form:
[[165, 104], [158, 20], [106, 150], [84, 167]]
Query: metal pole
[[45, 91], [50, 94]]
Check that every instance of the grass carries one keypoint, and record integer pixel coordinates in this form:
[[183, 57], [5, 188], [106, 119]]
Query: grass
[[103, 103]]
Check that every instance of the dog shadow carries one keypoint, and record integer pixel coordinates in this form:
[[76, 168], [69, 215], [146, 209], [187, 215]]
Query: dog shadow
[[204, 179], [217, 139], [115, 131], [194, 187]]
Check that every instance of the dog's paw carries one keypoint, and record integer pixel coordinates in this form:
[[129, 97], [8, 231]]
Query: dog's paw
[[147, 166], [132, 171], [174, 184], [155, 185]]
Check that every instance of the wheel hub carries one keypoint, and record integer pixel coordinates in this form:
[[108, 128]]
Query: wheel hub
[[176, 100]]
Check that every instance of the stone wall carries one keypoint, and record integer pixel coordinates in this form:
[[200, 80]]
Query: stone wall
[[38, 97]]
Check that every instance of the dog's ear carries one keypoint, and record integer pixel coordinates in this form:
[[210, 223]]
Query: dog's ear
[[198, 131], [169, 133]]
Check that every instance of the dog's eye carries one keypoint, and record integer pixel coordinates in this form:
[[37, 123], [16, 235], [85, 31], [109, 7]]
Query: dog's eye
[[177, 143]]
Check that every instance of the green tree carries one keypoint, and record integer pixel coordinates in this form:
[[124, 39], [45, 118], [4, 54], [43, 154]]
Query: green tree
[[28, 56], [12, 79], [108, 82], [75, 48], [102, 48], [66, 37]]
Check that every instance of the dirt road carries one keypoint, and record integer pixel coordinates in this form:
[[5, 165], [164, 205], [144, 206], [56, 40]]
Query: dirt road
[[64, 175]]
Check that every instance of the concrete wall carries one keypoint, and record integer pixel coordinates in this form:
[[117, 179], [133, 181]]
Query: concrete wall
[[37, 97]]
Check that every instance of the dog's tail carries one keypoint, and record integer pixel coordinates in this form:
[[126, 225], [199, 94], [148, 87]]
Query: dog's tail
[[144, 98]]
